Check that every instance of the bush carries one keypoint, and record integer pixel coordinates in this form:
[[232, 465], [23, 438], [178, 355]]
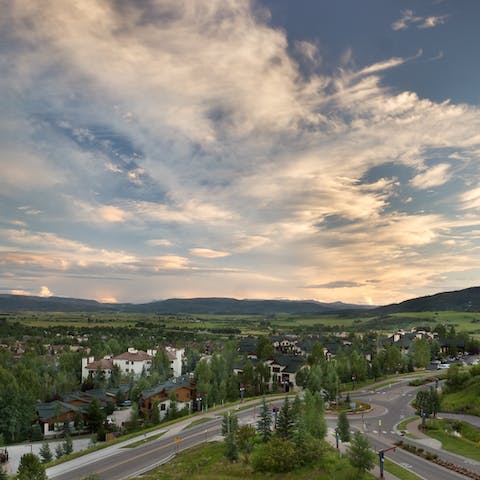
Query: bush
[[277, 456]]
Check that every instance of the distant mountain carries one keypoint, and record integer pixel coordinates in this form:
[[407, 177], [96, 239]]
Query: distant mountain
[[466, 300], [12, 303]]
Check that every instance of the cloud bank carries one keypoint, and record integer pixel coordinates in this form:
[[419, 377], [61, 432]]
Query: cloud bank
[[175, 148]]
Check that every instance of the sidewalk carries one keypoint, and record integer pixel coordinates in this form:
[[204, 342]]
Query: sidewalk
[[421, 437]]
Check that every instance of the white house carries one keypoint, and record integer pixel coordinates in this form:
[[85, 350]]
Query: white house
[[132, 362], [175, 355]]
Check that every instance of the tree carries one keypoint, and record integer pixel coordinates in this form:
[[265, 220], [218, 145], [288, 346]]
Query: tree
[[265, 348], [285, 422], [343, 426], [59, 450], [30, 468], [427, 402], [95, 416], [155, 415], [359, 454], [421, 353], [229, 431], [67, 445], [313, 415], [246, 437], [45, 453], [264, 424]]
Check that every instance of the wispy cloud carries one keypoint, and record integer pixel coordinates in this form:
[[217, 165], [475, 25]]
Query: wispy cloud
[[201, 141], [409, 19], [432, 177]]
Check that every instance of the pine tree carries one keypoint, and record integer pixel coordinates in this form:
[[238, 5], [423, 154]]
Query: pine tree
[[264, 424], [360, 455], [31, 468], [45, 453], [343, 426], [285, 422], [229, 431], [59, 451], [67, 445]]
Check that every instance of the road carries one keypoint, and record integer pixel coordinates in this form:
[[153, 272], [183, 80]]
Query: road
[[120, 463], [390, 407]]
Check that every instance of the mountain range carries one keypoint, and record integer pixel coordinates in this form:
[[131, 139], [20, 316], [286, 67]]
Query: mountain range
[[461, 300]]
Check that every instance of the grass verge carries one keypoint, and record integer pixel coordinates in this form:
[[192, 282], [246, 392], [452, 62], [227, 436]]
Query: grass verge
[[399, 471], [144, 440], [198, 422]]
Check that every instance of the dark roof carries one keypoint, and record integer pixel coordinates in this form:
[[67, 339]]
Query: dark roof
[[247, 345], [48, 411], [292, 363], [168, 386]]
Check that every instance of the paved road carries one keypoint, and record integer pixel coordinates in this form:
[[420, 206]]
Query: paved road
[[120, 463], [380, 428], [390, 407]]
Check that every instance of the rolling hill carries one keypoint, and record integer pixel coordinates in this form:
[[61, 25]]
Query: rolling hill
[[14, 303]]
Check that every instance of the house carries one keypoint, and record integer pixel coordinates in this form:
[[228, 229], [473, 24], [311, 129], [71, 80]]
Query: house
[[132, 362], [182, 387], [404, 340], [283, 370], [92, 366], [54, 416], [175, 356]]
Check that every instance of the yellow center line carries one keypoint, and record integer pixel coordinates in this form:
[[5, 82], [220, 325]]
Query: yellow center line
[[117, 464]]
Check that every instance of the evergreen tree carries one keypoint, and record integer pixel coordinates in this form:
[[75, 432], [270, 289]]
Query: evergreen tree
[[59, 450], [155, 416], [314, 415], [95, 415], [264, 424], [343, 426], [285, 424], [30, 468], [229, 431], [67, 445], [45, 453], [359, 454]]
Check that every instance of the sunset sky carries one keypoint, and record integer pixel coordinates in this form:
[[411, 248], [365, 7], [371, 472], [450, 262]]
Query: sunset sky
[[301, 149]]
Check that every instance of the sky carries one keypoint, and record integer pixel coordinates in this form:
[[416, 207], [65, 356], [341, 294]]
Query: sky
[[297, 149]]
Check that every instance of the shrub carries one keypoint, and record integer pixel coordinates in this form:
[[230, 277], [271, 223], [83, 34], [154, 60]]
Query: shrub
[[277, 455]]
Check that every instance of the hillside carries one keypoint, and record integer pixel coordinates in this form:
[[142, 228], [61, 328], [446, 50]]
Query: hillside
[[466, 300], [226, 306]]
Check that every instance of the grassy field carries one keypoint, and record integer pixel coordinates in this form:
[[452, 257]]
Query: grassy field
[[441, 430], [207, 461], [254, 324]]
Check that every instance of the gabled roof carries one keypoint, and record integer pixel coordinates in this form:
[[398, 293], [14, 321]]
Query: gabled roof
[[168, 386], [48, 411], [138, 356], [292, 363], [103, 364], [247, 345]]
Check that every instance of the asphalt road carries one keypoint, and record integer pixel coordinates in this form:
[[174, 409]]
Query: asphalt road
[[390, 407], [117, 463]]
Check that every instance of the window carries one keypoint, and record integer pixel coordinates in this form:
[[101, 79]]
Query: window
[[163, 406]]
